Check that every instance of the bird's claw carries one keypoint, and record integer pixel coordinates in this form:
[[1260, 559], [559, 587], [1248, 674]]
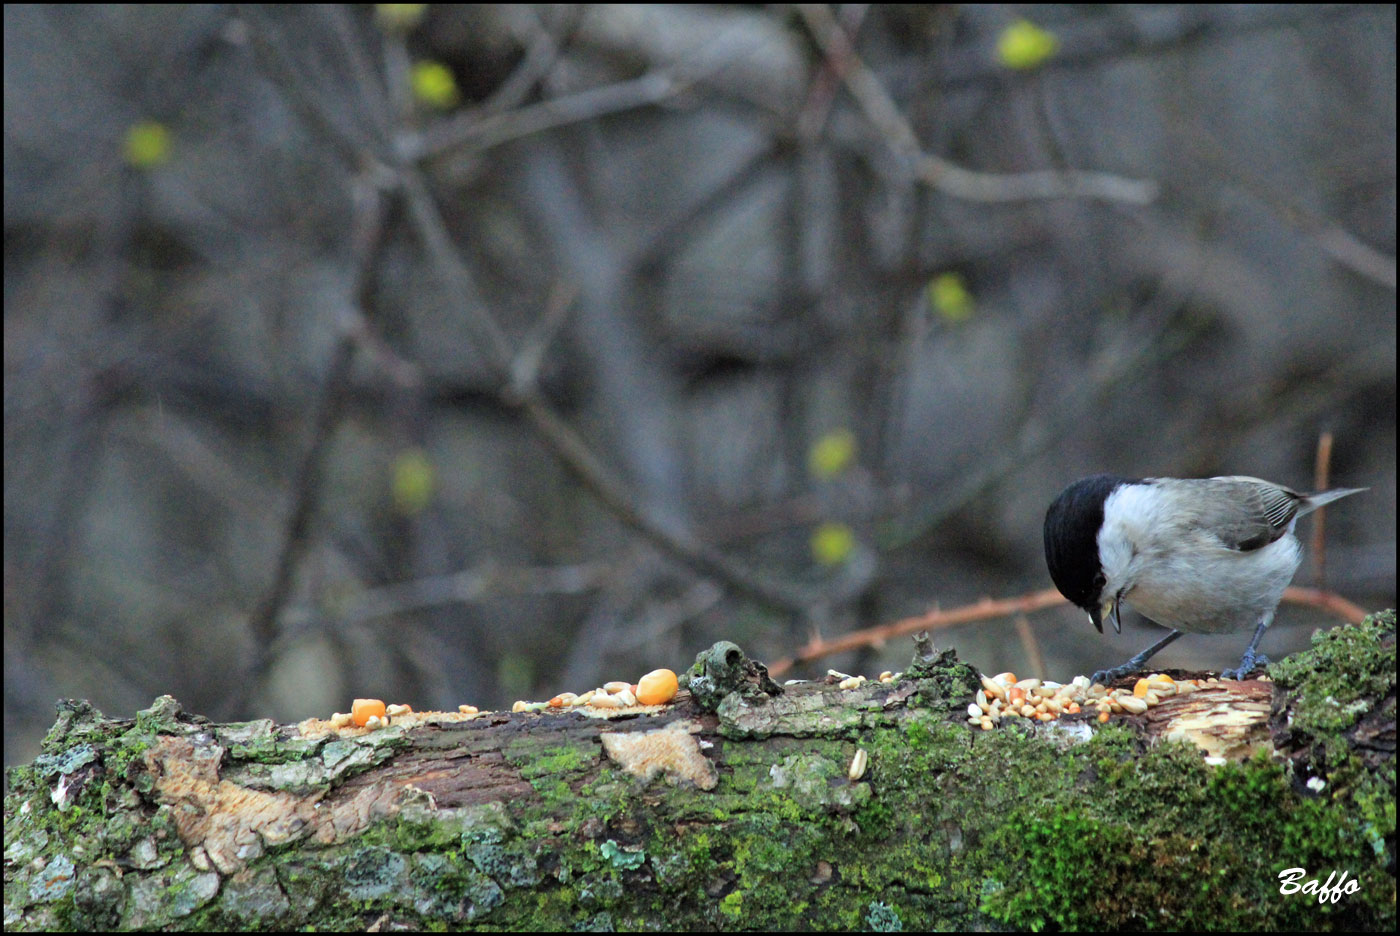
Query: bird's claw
[[1247, 665]]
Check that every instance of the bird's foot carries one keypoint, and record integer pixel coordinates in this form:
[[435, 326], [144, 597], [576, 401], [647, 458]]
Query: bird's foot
[[1248, 664], [1105, 677]]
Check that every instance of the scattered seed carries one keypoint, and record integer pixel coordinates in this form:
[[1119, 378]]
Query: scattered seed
[[1134, 704], [394, 711], [342, 719], [467, 709], [657, 687], [616, 686], [858, 765], [626, 697], [363, 709], [583, 699], [519, 705]]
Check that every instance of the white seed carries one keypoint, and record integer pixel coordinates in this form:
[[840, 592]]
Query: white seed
[[1134, 704], [341, 719], [981, 698], [616, 686], [395, 710], [583, 699], [1151, 697], [519, 705], [374, 722], [467, 709], [603, 700], [858, 765], [1028, 684], [837, 674], [974, 711], [993, 688], [887, 677], [626, 697]]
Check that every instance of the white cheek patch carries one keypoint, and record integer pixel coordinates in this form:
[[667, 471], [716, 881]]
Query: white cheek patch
[[1128, 513]]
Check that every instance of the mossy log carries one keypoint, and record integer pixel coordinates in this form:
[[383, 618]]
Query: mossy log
[[737, 807]]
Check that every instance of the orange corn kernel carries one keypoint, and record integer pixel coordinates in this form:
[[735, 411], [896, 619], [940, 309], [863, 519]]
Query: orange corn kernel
[[657, 687], [363, 709]]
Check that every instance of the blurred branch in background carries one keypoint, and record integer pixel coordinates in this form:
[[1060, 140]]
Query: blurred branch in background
[[989, 609], [940, 173]]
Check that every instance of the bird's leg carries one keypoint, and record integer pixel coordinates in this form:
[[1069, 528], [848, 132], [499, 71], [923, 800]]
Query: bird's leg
[[1250, 658], [1105, 677]]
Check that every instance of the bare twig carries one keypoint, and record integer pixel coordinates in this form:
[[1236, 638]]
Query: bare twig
[[570, 448], [436, 591], [477, 132], [940, 173], [934, 620], [306, 491], [1030, 645], [1321, 470], [1356, 255], [988, 609], [1330, 602]]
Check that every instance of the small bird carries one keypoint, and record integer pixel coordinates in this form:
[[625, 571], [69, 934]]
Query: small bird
[[1200, 556]]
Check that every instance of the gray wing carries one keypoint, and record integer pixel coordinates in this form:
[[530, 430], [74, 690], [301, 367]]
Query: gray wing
[[1250, 513]]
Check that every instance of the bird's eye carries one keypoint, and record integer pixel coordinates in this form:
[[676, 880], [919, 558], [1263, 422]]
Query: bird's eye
[[1099, 581]]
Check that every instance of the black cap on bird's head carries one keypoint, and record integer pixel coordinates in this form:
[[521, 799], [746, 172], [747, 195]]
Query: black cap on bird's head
[[1072, 548]]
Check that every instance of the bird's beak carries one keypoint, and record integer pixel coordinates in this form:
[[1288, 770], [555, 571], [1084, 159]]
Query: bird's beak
[[1109, 609]]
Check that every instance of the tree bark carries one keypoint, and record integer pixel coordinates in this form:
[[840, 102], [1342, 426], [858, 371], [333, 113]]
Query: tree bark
[[733, 808]]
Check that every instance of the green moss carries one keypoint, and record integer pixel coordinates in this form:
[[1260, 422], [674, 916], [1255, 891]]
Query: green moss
[[948, 829], [555, 761], [1333, 684]]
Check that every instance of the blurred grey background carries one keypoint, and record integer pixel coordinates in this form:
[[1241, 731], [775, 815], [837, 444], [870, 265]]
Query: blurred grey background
[[465, 354]]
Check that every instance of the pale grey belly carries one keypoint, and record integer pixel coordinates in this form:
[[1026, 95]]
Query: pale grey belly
[[1217, 590]]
